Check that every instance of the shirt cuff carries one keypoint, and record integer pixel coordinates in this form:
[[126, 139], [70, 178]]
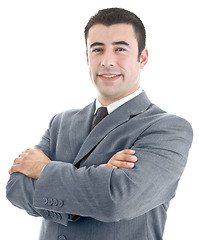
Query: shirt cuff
[[43, 168]]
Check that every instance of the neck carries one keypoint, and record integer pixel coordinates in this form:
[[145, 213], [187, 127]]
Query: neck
[[107, 100]]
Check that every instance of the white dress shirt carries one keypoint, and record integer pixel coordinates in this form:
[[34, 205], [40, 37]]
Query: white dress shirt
[[118, 103]]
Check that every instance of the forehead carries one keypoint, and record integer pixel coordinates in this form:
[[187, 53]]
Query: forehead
[[113, 33]]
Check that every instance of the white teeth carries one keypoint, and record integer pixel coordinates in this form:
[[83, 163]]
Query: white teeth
[[109, 76]]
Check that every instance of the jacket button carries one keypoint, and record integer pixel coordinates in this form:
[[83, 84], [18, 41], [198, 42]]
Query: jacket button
[[50, 201], [62, 237], [60, 203], [53, 214], [59, 216], [55, 202], [45, 200], [46, 213]]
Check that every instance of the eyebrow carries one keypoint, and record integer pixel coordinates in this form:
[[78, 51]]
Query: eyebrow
[[121, 43], [96, 44], [114, 43]]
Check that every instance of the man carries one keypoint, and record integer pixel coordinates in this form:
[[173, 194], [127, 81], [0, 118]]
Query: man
[[106, 173]]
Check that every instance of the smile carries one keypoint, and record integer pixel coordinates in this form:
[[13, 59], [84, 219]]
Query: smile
[[109, 77]]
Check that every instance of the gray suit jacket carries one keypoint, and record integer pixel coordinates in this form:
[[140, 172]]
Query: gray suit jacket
[[114, 204]]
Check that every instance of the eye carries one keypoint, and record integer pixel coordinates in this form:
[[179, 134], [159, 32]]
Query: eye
[[97, 50], [120, 49]]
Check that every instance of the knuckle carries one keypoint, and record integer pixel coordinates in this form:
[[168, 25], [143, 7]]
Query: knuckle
[[30, 151], [125, 151], [122, 164], [126, 165], [23, 159], [13, 169]]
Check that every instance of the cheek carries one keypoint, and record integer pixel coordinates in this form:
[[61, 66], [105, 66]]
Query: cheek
[[124, 62], [94, 65], [128, 65], [92, 69], [91, 62]]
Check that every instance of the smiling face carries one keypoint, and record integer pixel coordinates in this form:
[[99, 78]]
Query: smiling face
[[114, 64]]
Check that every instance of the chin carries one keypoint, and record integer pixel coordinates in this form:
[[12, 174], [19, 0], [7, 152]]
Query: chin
[[110, 96]]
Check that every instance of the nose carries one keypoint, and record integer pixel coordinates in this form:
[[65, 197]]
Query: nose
[[108, 59]]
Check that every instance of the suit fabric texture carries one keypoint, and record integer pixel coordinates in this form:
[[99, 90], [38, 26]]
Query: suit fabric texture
[[114, 204]]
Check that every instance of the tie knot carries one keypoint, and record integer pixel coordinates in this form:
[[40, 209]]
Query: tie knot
[[101, 113]]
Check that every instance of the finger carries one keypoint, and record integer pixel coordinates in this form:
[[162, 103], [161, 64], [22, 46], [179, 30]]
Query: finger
[[23, 154], [13, 169], [127, 151], [28, 149], [18, 160], [103, 165], [107, 165], [125, 157], [121, 164]]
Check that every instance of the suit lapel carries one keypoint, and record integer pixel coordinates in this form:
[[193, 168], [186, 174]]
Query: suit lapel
[[121, 115], [80, 127]]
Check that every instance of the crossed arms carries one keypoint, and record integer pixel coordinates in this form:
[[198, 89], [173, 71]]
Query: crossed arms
[[32, 161], [105, 193]]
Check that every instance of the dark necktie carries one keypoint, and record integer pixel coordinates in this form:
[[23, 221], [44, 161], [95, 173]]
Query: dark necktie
[[101, 113]]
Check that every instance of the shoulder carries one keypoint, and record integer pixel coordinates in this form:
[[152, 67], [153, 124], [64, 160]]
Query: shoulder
[[70, 115], [166, 124], [166, 134], [66, 114], [63, 117], [164, 119]]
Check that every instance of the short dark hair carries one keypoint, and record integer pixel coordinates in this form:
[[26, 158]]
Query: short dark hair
[[110, 16]]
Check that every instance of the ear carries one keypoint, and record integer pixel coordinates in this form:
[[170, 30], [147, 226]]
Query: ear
[[87, 57], [143, 58]]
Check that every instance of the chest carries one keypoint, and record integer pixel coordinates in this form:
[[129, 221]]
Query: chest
[[70, 139]]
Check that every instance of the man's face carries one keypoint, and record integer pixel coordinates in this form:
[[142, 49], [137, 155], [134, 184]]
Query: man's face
[[113, 61]]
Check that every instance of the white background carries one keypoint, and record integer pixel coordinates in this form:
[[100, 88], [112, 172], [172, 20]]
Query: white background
[[43, 71]]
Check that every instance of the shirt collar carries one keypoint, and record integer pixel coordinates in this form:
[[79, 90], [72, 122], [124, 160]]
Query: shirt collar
[[118, 103]]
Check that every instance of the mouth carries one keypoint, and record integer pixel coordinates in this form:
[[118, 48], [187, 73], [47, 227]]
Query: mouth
[[109, 77]]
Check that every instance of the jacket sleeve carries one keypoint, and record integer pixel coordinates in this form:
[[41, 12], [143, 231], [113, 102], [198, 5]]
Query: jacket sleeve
[[113, 194], [20, 191]]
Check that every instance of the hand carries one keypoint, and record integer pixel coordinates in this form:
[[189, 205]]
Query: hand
[[30, 163], [122, 159]]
